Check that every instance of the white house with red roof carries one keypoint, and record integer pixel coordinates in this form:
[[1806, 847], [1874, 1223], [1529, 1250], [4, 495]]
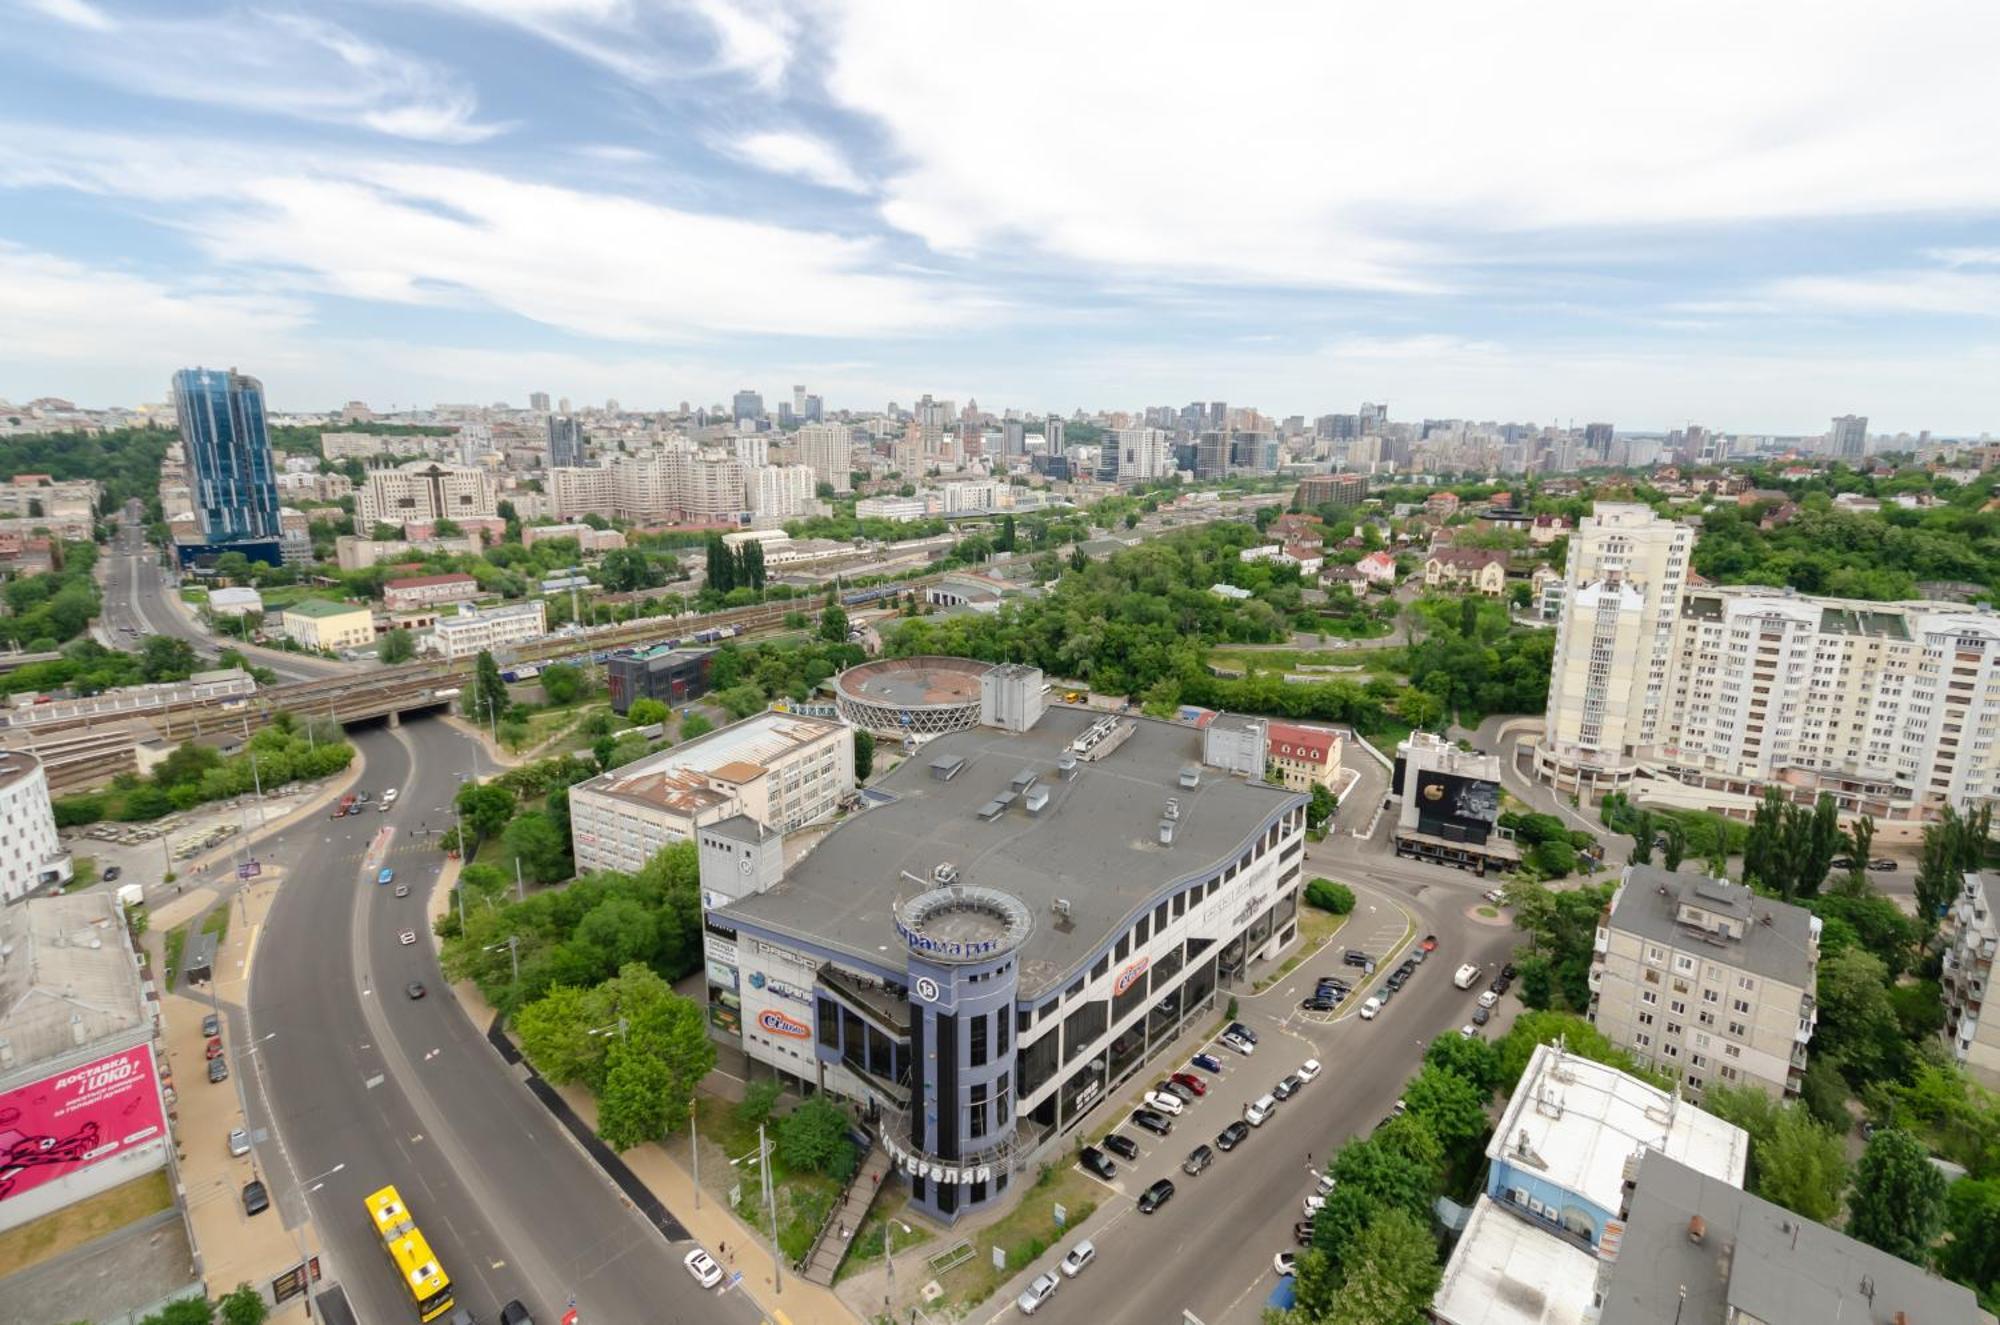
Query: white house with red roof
[[1378, 567], [1303, 756]]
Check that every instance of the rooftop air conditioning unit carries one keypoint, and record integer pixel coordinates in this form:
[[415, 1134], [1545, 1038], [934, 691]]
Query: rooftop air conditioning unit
[[945, 874]]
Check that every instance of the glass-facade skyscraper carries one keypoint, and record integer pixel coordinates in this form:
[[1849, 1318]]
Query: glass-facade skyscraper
[[229, 457]]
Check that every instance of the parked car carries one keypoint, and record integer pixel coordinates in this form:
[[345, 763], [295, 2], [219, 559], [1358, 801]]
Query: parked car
[[1499, 984], [1259, 1110], [1494, 895], [1318, 1005], [1036, 1293], [1430, 943], [1355, 957], [1287, 1087], [1121, 1145], [1174, 1088], [1097, 1162], [1155, 1196], [214, 1047], [1198, 1159], [1239, 1044], [1232, 1136], [1285, 1263], [218, 1070], [407, 937], [1156, 1123], [1469, 1031], [1488, 999], [211, 1025], [415, 989], [1307, 1070], [1509, 971], [1162, 1102], [1191, 1082], [1207, 1063], [515, 1314], [1417, 956], [111, 873], [1241, 1032], [1882, 864], [1370, 1008], [703, 1268], [1840, 863], [1302, 1232], [255, 1199], [1313, 1205], [239, 1142], [1481, 1015], [1079, 1258]]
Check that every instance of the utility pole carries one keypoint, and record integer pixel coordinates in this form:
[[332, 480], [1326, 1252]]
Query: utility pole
[[520, 888], [694, 1152], [771, 1209]]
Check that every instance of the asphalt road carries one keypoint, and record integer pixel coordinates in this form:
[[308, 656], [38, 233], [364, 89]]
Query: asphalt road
[[135, 606], [368, 1086], [1209, 1250]]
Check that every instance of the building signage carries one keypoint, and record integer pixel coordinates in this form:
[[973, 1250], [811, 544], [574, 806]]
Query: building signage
[[778, 1023], [937, 1170], [720, 975], [1251, 907], [927, 989], [785, 955], [721, 950], [54, 1127], [949, 948], [1130, 976], [758, 980], [1086, 1097]]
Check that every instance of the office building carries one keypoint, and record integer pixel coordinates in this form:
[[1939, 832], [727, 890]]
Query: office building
[[799, 399], [315, 623], [1211, 455], [1052, 434], [32, 856], [672, 677], [777, 770], [991, 955], [1597, 438], [1142, 454], [1450, 806], [1331, 490], [828, 450], [1705, 980], [470, 630], [1971, 936], [1614, 647], [233, 479], [748, 407], [1847, 439], [412, 593], [424, 492], [565, 441], [538, 401]]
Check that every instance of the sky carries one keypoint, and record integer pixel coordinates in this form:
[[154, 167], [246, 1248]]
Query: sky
[[1753, 217]]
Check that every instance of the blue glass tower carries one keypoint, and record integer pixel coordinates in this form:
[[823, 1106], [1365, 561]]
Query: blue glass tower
[[229, 460]]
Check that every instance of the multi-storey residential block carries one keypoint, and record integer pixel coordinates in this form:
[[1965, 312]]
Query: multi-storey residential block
[[32, 856], [828, 450], [1332, 489], [472, 630], [1706, 980], [782, 492], [1971, 933], [424, 491]]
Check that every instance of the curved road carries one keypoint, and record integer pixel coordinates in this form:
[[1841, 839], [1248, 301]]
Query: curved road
[[370, 1086]]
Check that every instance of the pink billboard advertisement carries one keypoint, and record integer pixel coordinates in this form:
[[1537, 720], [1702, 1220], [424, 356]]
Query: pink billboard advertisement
[[60, 1124]]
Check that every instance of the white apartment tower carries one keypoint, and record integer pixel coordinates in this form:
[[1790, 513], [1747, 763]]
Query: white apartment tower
[[1614, 646], [828, 450], [1848, 438], [781, 492]]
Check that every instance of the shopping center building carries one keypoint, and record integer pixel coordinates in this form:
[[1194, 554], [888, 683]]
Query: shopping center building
[[1017, 920]]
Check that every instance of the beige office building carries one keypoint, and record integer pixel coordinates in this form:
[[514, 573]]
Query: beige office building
[[424, 492], [780, 770], [828, 450], [1705, 980]]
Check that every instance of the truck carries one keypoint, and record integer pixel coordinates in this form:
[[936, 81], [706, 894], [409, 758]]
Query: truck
[[1465, 975], [131, 894]]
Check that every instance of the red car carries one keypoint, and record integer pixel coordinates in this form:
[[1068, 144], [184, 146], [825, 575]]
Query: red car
[[1430, 943], [215, 1046], [1191, 1081]]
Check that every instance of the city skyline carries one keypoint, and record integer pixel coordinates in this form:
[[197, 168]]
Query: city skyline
[[1565, 215]]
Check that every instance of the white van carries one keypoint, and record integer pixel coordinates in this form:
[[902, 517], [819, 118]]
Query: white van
[[1259, 1109], [1465, 976]]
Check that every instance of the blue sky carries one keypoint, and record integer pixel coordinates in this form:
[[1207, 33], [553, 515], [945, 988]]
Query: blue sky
[[1752, 217]]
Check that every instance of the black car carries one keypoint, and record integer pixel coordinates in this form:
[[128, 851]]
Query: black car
[[218, 1069], [1241, 1031], [515, 1314], [1156, 1123], [1355, 957], [1334, 982], [1499, 985], [1397, 979], [1198, 1159], [1096, 1161], [1232, 1136], [1319, 1005], [1155, 1196], [255, 1199], [111, 873], [1480, 1016], [415, 989], [1509, 971], [1840, 863], [1287, 1088], [1121, 1145], [1302, 1232], [1882, 864]]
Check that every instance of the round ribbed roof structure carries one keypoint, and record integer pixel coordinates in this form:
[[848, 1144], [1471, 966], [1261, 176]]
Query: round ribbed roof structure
[[961, 923], [922, 696]]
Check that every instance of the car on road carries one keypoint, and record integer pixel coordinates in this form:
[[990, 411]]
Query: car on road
[[1509, 971], [1079, 1259], [703, 1267], [389, 796], [1469, 1031], [407, 937], [1232, 1136], [415, 989], [1096, 1162], [1198, 1159], [1840, 863], [1191, 1082], [1429, 944], [211, 1024], [1465, 976], [1332, 984], [1883, 865], [1156, 1123], [1481, 1015], [1417, 956], [1494, 895], [1162, 1102], [515, 1314], [255, 1199], [239, 1141], [1355, 957], [1121, 1145], [1208, 1063], [214, 1047], [111, 873], [1155, 1196], [1239, 1044], [1258, 1111], [1488, 999], [1287, 1087], [218, 1070], [385, 875], [1183, 1093], [1285, 1263], [402, 890], [1370, 1008], [1241, 1032], [1397, 979], [1323, 1183]]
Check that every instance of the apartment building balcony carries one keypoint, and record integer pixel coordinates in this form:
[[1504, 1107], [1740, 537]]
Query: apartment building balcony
[[1602, 944], [1799, 1056]]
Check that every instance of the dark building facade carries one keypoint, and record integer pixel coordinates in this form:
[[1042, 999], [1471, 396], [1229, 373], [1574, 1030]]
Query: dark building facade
[[229, 464], [672, 678]]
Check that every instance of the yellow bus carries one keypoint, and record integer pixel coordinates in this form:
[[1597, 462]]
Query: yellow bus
[[423, 1278]]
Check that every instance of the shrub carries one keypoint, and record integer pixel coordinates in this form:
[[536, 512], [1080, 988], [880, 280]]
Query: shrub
[[1327, 895]]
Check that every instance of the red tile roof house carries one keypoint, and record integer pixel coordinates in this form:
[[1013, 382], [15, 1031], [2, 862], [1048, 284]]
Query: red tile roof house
[[1303, 755]]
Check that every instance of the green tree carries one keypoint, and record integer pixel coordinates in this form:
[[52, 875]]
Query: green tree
[[864, 754], [184, 1311], [633, 1107], [164, 658], [1392, 1273], [813, 1137], [1857, 1022], [1421, 709], [1320, 807], [555, 1036], [1675, 850], [1971, 1255], [487, 695], [1803, 1166], [833, 624], [695, 724], [398, 646], [759, 1098], [1897, 1201], [485, 807], [1860, 844], [244, 1305], [563, 683], [620, 929], [1453, 1106], [1472, 1059], [645, 712], [533, 839]]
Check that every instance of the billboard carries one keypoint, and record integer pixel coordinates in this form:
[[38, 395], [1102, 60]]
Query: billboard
[[59, 1125]]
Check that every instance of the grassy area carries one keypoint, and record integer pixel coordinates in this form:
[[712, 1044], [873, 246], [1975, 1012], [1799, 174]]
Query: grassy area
[[66, 1229], [1285, 660], [175, 941], [1315, 928], [1491, 913], [216, 922], [86, 874], [803, 1199], [1024, 1234], [867, 1245]]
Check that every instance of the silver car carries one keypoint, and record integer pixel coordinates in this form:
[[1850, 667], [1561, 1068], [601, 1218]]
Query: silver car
[[1037, 1293]]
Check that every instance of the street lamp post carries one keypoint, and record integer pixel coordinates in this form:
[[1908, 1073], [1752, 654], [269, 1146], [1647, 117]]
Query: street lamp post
[[694, 1152], [889, 1228], [512, 945]]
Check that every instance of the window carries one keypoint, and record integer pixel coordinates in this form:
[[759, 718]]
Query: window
[[1648, 997], [1674, 1028], [1697, 1060], [1745, 982], [1711, 996], [1671, 1050], [978, 1041], [1645, 1018], [1684, 965], [1693, 1082], [1678, 1007], [1160, 916], [1145, 930], [1642, 1040], [1654, 954], [1729, 1074], [1124, 948], [1736, 1028], [977, 1123], [1732, 1051], [1739, 1004], [1098, 971], [1000, 1024]]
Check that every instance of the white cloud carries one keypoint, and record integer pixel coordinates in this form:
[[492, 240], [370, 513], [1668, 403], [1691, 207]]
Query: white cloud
[[799, 154], [1949, 292], [592, 263], [1309, 143], [267, 63], [1965, 257], [649, 43]]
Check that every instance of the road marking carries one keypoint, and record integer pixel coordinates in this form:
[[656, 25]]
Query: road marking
[[374, 1081], [499, 1265]]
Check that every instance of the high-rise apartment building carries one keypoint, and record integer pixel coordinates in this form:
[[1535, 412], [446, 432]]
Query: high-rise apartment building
[[752, 448], [1597, 439], [1218, 415], [781, 492], [1052, 432], [1971, 934], [1848, 438], [1143, 454], [1707, 981], [1332, 489], [748, 407], [1013, 437], [538, 401], [799, 399], [1211, 455], [1372, 417], [815, 410], [423, 491], [1614, 643], [565, 441], [828, 450], [228, 449]]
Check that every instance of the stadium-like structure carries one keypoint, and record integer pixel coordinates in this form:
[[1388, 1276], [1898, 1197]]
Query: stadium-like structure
[[922, 697]]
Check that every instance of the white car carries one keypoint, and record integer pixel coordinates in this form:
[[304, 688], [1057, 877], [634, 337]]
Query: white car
[[1469, 1031], [703, 1267], [1488, 999], [1313, 1205], [1080, 1256], [1259, 1110], [1370, 1008], [1308, 1070], [1322, 1183], [1285, 1263], [409, 936], [389, 796], [1170, 1105], [1036, 1293]]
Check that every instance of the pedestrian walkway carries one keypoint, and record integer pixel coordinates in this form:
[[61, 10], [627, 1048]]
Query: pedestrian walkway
[[846, 1219]]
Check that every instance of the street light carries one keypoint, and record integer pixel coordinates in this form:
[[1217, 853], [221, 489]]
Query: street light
[[889, 1256]]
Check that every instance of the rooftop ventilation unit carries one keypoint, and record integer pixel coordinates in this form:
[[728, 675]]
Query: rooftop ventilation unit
[[1024, 779], [993, 809], [1191, 776], [946, 768], [945, 874], [1060, 906], [1036, 800]]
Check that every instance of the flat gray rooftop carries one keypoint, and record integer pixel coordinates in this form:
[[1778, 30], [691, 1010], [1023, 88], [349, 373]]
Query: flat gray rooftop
[[1095, 844], [1777, 936]]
